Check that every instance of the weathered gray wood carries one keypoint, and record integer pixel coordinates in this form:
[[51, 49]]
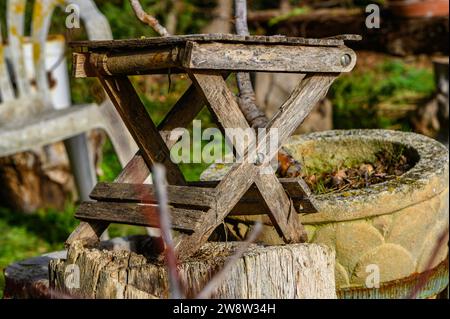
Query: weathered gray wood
[[141, 44], [137, 170], [281, 209], [198, 194], [280, 58], [136, 214], [145, 193], [291, 271], [241, 176], [219, 99], [140, 125]]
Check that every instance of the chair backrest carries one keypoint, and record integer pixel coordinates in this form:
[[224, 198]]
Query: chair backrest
[[25, 87]]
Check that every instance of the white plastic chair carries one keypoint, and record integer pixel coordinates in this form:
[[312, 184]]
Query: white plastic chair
[[33, 113]]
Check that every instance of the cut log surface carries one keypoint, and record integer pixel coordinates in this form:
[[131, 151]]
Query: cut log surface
[[291, 271]]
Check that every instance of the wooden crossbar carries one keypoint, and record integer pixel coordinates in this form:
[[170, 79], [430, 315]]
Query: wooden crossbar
[[201, 194], [136, 214]]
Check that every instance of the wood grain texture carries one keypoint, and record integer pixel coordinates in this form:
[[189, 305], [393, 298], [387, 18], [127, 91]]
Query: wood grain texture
[[291, 271], [145, 193], [252, 203], [267, 58], [241, 176], [153, 42], [136, 214], [137, 171], [89, 233], [282, 210], [162, 61]]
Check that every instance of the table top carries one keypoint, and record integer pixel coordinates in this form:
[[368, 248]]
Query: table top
[[144, 43]]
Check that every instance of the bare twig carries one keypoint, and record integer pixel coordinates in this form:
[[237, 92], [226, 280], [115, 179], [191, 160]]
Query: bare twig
[[159, 179], [214, 283], [247, 100], [423, 279], [144, 17]]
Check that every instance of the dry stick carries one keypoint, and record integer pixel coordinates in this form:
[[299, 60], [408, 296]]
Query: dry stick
[[159, 176], [144, 17], [215, 282], [247, 101], [423, 279]]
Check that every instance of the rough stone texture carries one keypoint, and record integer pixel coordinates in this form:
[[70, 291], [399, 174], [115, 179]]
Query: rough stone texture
[[291, 271], [395, 224]]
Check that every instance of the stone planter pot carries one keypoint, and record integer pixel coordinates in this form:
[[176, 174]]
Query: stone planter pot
[[419, 8], [393, 225]]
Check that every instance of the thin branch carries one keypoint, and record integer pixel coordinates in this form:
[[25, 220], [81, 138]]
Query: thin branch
[[160, 182], [215, 282], [144, 17], [247, 100]]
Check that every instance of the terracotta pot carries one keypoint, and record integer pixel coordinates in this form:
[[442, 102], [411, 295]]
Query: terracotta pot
[[419, 8]]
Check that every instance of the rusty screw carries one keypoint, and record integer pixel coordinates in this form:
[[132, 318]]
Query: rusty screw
[[345, 60]]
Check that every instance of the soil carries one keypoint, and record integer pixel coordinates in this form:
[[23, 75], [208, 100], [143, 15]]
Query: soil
[[387, 166]]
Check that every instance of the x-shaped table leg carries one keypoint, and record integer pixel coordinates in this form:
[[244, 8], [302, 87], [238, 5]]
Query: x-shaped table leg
[[137, 170], [242, 175]]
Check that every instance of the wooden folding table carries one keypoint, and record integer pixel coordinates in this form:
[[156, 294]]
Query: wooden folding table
[[198, 208]]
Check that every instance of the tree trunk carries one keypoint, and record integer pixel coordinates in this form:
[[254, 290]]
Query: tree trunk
[[291, 271], [41, 178]]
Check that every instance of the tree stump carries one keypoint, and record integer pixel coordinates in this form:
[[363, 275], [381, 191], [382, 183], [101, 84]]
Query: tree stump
[[290, 271]]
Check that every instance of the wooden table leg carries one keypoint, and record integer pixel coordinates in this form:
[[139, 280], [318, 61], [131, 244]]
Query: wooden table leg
[[242, 175], [137, 171]]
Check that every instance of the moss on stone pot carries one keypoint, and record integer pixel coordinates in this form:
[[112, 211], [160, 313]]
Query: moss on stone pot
[[394, 225]]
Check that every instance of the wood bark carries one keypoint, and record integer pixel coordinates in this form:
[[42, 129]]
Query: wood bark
[[292, 271]]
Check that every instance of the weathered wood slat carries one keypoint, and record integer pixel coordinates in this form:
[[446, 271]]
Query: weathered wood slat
[[145, 193], [197, 194], [137, 171], [140, 125], [219, 56], [282, 210], [136, 44], [136, 214], [280, 58]]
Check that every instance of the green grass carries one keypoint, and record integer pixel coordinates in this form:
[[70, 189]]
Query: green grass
[[358, 97], [27, 235]]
